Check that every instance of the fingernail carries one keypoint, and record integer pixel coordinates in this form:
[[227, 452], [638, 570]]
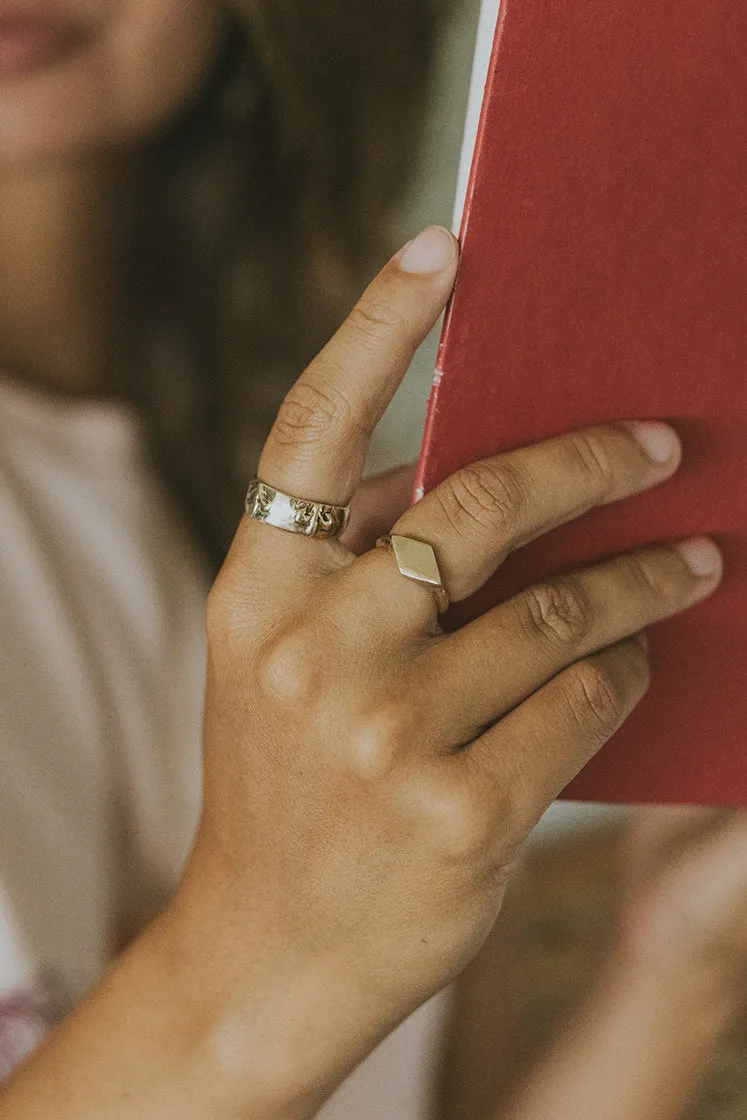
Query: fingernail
[[660, 442], [431, 251], [702, 557]]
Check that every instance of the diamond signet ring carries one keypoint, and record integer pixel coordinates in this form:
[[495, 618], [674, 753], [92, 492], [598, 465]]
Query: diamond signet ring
[[295, 515], [417, 561]]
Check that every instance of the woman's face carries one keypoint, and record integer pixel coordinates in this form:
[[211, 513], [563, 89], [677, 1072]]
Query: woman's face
[[81, 73]]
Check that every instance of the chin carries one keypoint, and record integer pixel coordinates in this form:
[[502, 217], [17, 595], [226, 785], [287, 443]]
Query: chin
[[61, 99]]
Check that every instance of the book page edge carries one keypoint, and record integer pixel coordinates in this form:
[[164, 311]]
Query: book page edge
[[488, 22]]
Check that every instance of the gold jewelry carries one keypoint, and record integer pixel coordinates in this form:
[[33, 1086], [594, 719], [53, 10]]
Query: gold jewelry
[[417, 561], [295, 515]]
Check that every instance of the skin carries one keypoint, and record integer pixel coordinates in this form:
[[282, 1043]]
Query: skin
[[358, 829], [659, 995], [137, 65], [68, 142], [359, 821], [642, 1041]]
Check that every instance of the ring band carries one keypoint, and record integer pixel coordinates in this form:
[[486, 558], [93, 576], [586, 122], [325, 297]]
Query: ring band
[[417, 561], [295, 515]]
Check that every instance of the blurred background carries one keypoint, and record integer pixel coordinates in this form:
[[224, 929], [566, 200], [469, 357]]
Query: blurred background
[[430, 200], [153, 311]]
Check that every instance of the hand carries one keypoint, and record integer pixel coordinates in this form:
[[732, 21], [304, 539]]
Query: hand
[[670, 987], [685, 913], [368, 778]]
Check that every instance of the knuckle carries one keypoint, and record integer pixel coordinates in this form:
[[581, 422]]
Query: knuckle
[[595, 459], [463, 828], [558, 613], [506, 825], [457, 825], [514, 815], [287, 670], [377, 320], [310, 412], [597, 699], [375, 743], [644, 575], [484, 495]]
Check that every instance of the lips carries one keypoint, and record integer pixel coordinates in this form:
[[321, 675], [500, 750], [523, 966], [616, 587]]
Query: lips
[[29, 43]]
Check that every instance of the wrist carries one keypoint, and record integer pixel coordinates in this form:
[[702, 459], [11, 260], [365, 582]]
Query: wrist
[[232, 1047], [160, 1037], [275, 1031]]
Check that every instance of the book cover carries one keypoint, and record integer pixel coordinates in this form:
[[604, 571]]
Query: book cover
[[603, 276]]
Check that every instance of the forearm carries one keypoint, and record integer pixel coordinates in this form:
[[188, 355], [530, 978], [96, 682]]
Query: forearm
[[637, 1049], [154, 1043]]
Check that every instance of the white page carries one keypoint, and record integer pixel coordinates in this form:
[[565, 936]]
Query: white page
[[480, 67]]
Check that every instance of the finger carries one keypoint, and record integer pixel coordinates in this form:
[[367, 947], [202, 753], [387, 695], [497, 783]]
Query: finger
[[484, 511], [318, 445], [498, 660], [528, 758], [377, 504]]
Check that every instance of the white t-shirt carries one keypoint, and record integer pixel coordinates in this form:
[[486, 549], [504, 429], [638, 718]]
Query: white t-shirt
[[101, 693]]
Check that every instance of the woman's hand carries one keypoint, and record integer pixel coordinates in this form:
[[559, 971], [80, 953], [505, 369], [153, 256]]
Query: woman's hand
[[369, 779], [685, 913], [673, 983]]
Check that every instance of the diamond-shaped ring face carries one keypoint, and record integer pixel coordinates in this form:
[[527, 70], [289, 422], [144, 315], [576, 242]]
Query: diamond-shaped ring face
[[416, 560]]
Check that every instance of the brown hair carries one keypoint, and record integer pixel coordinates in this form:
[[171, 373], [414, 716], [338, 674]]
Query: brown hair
[[260, 214]]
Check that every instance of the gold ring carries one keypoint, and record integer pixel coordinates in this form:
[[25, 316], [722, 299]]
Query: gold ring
[[295, 515], [417, 561]]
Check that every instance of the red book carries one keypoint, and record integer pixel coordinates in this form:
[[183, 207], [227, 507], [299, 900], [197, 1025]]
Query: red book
[[604, 276]]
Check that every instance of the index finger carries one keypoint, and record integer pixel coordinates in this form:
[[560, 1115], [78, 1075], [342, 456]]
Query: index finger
[[318, 444]]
